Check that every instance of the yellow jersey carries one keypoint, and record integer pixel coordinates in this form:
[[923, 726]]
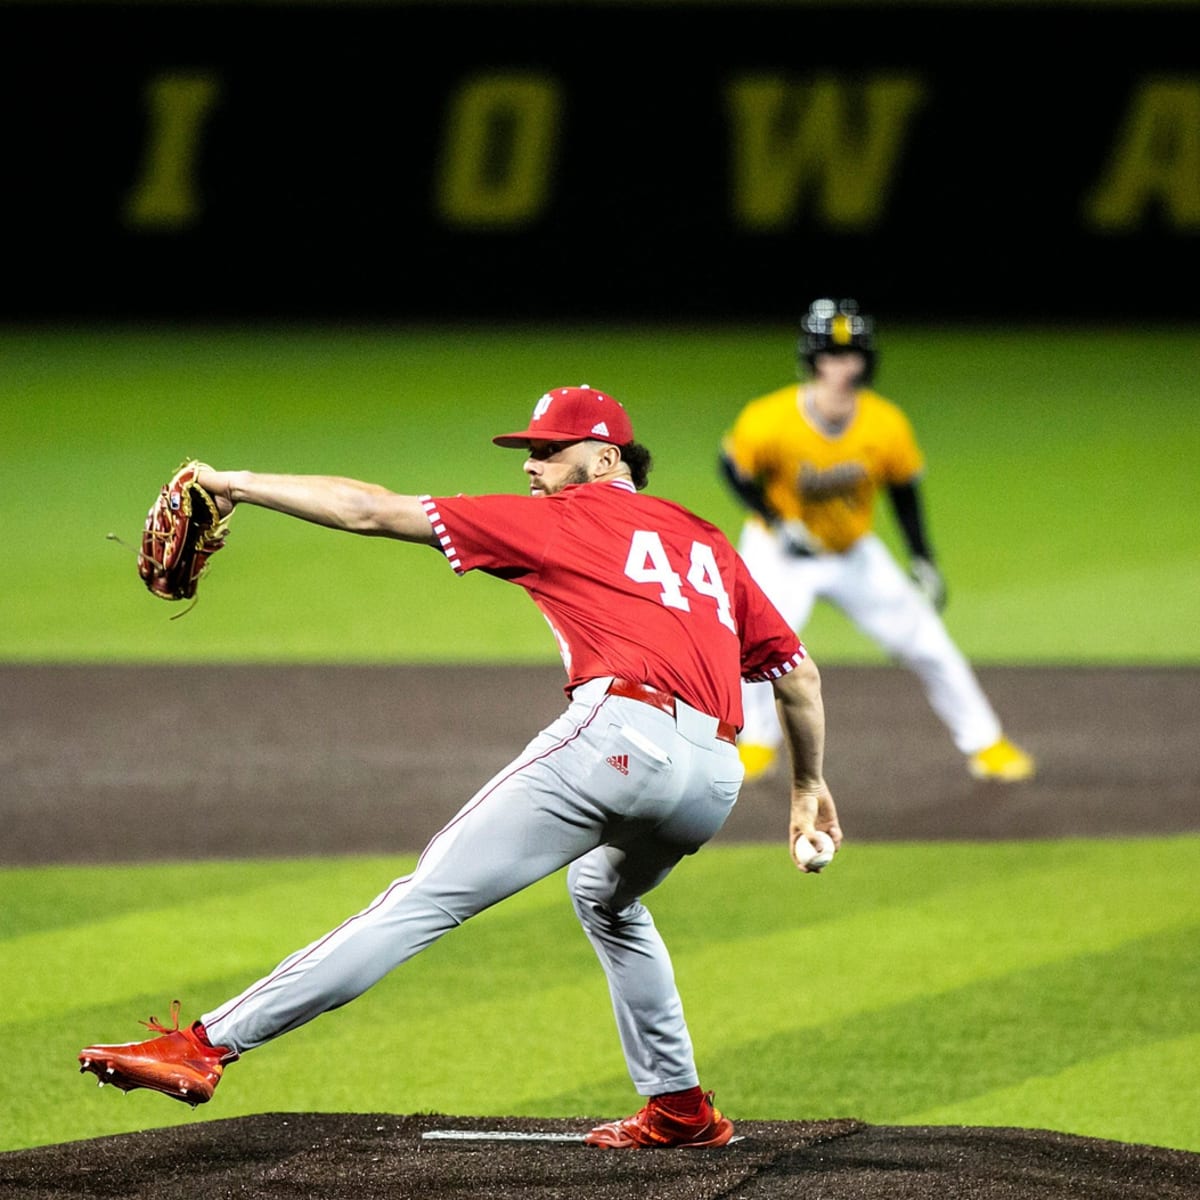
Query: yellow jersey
[[827, 480]]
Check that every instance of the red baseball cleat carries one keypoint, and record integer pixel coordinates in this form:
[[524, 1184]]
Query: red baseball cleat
[[654, 1126], [180, 1063]]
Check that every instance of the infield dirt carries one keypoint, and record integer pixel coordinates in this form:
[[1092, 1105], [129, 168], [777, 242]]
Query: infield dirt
[[1118, 756]]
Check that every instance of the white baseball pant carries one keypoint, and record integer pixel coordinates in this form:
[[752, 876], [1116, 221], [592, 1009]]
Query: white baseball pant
[[868, 585]]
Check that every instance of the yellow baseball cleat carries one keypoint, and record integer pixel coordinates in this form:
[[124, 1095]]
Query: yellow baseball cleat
[[1002, 761], [756, 759]]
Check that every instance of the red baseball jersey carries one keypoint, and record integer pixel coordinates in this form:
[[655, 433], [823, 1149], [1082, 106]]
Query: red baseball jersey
[[632, 586]]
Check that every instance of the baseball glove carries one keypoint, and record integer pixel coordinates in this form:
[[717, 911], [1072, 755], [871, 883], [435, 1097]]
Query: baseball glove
[[183, 531]]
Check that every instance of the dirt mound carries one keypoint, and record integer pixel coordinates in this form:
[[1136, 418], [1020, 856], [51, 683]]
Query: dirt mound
[[365, 1156]]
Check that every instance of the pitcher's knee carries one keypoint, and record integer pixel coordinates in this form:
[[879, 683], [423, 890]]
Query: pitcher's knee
[[584, 887], [593, 890]]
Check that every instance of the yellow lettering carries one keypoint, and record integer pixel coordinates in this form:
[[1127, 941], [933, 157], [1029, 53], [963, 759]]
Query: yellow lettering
[[497, 159], [828, 138], [1155, 161], [166, 196]]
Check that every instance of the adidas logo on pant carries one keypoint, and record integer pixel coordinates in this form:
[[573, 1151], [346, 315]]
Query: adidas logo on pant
[[620, 761]]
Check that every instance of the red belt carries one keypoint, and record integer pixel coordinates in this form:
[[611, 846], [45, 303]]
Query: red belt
[[664, 702]]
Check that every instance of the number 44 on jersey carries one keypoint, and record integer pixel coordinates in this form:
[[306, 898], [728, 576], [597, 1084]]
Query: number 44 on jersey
[[647, 562]]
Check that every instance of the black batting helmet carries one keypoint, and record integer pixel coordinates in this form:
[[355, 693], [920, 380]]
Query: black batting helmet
[[835, 327]]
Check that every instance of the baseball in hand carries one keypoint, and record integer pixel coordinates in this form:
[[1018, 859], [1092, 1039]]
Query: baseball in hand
[[815, 851]]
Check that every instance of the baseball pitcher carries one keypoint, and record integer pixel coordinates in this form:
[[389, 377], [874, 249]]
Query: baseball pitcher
[[658, 621]]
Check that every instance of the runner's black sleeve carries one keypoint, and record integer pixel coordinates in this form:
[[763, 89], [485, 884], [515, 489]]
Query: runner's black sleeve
[[748, 491], [906, 500]]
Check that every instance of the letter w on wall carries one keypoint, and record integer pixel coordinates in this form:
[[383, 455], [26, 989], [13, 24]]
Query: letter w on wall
[[826, 140]]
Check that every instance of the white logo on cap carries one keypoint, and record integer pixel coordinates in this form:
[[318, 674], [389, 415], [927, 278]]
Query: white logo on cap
[[600, 428], [542, 407]]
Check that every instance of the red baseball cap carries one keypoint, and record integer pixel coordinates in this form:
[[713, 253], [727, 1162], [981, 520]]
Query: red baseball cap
[[573, 414]]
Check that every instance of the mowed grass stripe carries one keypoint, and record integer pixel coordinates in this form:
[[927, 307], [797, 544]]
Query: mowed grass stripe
[[852, 963], [56, 898], [1024, 912], [1160, 1076], [245, 930], [892, 1061], [1018, 915], [1042, 944]]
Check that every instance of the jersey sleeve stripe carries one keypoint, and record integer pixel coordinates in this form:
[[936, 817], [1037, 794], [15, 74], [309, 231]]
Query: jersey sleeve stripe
[[776, 672], [443, 536]]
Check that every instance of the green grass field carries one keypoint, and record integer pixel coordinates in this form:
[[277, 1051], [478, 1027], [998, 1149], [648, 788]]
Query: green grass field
[[1026, 984], [1041, 985], [1062, 489]]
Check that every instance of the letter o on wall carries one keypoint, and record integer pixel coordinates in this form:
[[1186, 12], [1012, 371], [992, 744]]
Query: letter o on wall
[[498, 151]]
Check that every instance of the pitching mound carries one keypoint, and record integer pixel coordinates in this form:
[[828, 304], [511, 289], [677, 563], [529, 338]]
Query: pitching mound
[[363, 1156]]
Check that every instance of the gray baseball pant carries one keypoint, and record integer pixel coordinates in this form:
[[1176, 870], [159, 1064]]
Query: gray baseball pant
[[615, 788]]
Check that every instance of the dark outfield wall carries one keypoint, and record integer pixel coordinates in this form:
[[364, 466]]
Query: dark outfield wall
[[560, 160]]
